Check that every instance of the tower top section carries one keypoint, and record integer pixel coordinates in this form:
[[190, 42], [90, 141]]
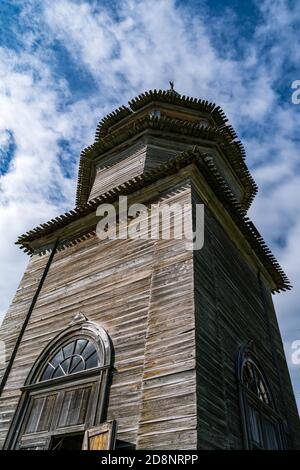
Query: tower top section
[[176, 118], [162, 136]]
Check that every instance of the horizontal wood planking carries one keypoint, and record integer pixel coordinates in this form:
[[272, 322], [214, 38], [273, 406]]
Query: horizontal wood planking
[[116, 283], [229, 310], [112, 173], [151, 150], [16, 314], [160, 150], [142, 293], [10, 330]]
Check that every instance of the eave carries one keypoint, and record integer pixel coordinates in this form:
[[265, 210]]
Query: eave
[[224, 194], [232, 149], [160, 96]]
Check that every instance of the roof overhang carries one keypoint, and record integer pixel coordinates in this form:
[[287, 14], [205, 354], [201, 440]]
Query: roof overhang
[[127, 123], [29, 241]]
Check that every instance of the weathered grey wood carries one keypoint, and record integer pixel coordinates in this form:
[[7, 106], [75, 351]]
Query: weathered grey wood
[[116, 287], [120, 166], [229, 310], [176, 318]]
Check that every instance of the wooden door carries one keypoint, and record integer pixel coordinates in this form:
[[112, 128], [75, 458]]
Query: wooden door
[[102, 437]]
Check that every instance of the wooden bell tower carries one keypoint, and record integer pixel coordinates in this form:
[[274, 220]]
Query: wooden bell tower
[[160, 346]]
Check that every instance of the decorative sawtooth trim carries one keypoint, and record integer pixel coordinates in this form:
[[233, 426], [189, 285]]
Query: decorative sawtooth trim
[[249, 230], [166, 96], [234, 151], [236, 155], [216, 182], [110, 120], [229, 132]]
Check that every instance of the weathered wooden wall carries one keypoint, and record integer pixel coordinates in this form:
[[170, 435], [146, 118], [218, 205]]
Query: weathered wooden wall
[[122, 164], [229, 310], [118, 168], [176, 319], [141, 292], [10, 329]]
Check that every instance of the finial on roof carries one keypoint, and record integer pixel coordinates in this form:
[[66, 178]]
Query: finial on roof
[[171, 90]]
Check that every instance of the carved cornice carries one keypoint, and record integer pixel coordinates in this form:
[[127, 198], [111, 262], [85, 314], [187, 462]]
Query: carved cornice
[[165, 96], [160, 96], [232, 149], [216, 182]]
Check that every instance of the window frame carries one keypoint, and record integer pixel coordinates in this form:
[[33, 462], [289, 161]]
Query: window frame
[[250, 400], [97, 378], [60, 349]]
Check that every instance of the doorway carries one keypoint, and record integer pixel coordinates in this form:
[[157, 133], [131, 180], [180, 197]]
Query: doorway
[[67, 442]]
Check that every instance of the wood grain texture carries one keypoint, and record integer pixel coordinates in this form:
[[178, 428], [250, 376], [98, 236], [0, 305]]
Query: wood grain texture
[[176, 319], [119, 166], [229, 310], [10, 329], [140, 291]]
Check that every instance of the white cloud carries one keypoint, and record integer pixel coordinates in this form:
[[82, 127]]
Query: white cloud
[[29, 103]]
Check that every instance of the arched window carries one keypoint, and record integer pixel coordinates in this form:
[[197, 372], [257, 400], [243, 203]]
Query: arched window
[[65, 391], [262, 425], [75, 356]]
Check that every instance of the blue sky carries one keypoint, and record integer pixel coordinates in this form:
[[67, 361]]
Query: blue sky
[[65, 64]]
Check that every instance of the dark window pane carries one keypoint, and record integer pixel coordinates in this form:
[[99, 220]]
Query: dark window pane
[[68, 350], [249, 376], [66, 364], [264, 425], [78, 365], [74, 357], [255, 426], [262, 392], [80, 345], [55, 360], [271, 432], [73, 442], [254, 381], [59, 372], [74, 363], [91, 361], [88, 350], [47, 373]]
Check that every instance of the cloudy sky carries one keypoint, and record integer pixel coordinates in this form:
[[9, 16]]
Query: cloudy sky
[[66, 63]]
